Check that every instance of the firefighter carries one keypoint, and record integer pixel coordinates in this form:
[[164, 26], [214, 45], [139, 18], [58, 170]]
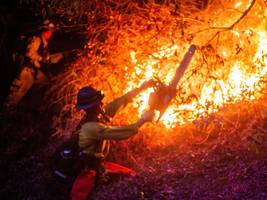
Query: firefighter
[[94, 135], [31, 72]]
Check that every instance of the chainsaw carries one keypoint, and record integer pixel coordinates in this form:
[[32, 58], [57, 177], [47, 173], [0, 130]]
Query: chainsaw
[[163, 94]]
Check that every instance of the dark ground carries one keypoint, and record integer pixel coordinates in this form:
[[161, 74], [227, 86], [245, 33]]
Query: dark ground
[[229, 165]]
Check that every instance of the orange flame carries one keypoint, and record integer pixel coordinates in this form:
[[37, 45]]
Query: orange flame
[[245, 79]]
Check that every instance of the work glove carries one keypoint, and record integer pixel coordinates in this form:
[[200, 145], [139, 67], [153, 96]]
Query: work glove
[[146, 117], [148, 84]]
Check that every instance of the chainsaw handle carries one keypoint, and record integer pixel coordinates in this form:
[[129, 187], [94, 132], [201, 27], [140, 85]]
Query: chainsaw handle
[[161, 97]]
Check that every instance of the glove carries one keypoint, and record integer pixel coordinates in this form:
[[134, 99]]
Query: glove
[[148, 84], [146, 117]]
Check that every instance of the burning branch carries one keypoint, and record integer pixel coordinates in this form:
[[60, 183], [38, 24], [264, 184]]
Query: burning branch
[[222, 29]]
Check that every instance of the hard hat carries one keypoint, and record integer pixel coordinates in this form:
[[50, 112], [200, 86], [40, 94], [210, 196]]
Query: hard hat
[[88, 97]]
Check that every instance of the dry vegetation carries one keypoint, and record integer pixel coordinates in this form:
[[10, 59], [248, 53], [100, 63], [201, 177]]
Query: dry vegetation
[[116, 29]]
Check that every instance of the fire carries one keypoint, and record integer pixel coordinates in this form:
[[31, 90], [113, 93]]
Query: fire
[[128, 45], [243, 79]]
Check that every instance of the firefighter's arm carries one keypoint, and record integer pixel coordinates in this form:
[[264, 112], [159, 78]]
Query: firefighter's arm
[[93, 131], [124, 132], [118, 132], [97, 131], [112, 108], [32, 51]]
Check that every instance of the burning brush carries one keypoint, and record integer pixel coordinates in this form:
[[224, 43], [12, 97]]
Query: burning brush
[[143, 43]]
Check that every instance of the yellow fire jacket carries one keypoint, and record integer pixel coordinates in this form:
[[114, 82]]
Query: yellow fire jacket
[[94, 135]]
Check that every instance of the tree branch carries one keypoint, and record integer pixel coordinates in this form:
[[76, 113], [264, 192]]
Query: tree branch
[[222, 29]]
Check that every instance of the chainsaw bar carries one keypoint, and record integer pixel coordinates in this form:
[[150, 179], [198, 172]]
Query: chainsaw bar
[[183, 66]]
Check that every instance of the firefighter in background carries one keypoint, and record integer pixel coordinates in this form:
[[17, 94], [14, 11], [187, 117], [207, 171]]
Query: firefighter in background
[[31, 71], [94, 135]]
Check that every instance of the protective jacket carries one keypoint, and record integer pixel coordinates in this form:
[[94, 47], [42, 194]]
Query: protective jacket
[[94, 140], [95, 135], [31, 72]]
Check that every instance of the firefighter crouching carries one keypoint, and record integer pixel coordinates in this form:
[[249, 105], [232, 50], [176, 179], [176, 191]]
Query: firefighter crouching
[[95, 133], [31, 70]]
